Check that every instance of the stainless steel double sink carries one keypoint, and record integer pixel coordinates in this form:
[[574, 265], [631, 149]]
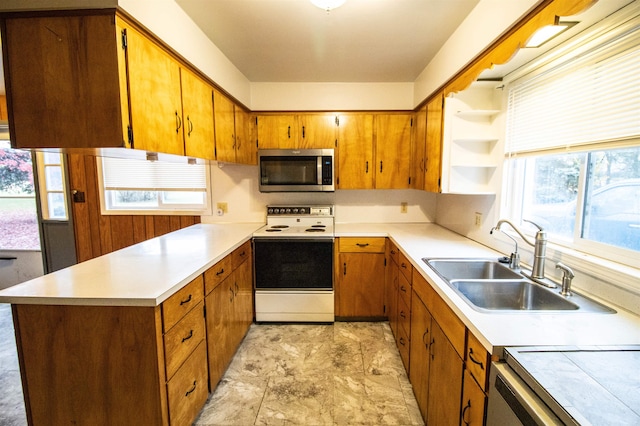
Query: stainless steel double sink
[[489, 286]]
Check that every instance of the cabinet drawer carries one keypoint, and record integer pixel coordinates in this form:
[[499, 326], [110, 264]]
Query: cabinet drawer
[[241, 254], [404, 289], [404, 316], [405, 266], [393, 251], [402, 340], [217, 273], [175, 307], [182, 339], [474, 402], [187, 391], [477, 360], [362, 245]]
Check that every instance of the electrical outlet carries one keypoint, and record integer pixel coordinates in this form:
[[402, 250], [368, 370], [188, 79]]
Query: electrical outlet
[[403, 207], [478, 219], [224, 207]]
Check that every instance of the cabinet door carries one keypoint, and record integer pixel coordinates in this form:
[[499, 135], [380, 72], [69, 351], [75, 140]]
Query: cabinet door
[[246, 150], [361, 285], [71, 88], [473, 402], [420, 358], [197, 112], [156, 120], [445, 380], [224, 119], [418, 143], [243, 303], [433, 154], [355, 152], [393, 148], [277, 131], [219, 308], [317, 131]]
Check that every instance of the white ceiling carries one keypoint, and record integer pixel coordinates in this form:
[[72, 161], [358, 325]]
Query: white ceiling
[[361, 41]]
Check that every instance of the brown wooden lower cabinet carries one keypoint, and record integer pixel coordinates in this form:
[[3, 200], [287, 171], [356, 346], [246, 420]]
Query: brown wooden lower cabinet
[[229, 307], [420, 357], [360, 283], [474, 402]]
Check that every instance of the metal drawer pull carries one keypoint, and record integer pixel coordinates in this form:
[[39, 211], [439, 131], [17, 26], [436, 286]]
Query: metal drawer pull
[[192, 389], [182, 302], [467, 407], [188, 337], [220, 272], [362, 244], [402, 314], [481, 364], [426, 333], [403, 265], [403, 289], [178, 122], [402, 341]]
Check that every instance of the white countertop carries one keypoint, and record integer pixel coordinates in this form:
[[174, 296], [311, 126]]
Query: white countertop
[[497, 330], [148, 273], [144, 274]]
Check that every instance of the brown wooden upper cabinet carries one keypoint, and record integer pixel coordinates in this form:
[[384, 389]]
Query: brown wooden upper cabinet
[[393, 148], [96, 81], [433, 150], [418, 144], [291, 131], [355, 151], [234, 129]]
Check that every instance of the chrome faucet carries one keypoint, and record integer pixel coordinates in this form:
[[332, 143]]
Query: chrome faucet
[[540, 248], [514, 259]]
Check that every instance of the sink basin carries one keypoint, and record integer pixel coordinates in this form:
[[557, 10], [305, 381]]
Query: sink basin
[[471, 269], [511, 295], [490, 286]]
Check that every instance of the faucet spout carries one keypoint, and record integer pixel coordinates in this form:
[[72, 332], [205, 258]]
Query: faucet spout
[[540, 246]]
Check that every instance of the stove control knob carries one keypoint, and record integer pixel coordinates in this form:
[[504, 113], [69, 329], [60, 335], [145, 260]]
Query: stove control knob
[[269, 210], [288, 211], [276, 211], [295, 210]]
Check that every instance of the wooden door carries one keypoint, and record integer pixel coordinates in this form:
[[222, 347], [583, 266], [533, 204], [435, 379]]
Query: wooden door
[[420, 357], [433, 153], [65, 94], [317, 131], [393, 149], [224, 121], [355, 151], [418, 142], [277, 131], [197, 107], [445, 380], [361, 285], [243, 304], [219, 308], [155, 96], [246, 150]]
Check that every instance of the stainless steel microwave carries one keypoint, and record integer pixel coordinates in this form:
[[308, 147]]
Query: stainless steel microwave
[[296, 170]]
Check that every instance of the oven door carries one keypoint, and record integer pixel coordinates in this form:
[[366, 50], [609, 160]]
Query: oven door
[[293, 264]]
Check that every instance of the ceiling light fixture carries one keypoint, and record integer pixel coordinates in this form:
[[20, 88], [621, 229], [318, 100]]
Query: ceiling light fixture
[[327, 5], [547, 33]]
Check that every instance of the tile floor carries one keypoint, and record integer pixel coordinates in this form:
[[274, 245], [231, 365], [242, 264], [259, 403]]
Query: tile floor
[[296, 374]]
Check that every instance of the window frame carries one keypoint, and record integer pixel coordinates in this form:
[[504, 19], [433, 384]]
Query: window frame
[[162, 208]]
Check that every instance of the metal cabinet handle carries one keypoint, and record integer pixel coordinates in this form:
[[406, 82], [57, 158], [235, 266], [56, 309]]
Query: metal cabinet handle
[[178, 122], [481, 364], [231, 297], [220, 272], [403, 265], [366, 167], [426, 333], [289, 132], [302, 132], [187, 300], [184, 339], [192, 389], [401, 341], [403, 289], [433, 341], [190, 126], [380, 166], [344, 268], [464, 411], [362, 244], [401, 315]]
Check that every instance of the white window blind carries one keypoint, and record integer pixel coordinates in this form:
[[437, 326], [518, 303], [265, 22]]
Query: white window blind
[[590, 99], [122, 174]]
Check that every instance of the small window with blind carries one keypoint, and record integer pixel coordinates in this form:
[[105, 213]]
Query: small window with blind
[[573, 146], [130, 186]]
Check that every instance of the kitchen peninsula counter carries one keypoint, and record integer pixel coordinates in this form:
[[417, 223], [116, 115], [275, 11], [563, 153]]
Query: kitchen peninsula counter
[[500, 329], [145, 274]]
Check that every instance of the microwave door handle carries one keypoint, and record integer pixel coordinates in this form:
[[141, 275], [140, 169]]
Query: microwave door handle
[[319, 170]]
